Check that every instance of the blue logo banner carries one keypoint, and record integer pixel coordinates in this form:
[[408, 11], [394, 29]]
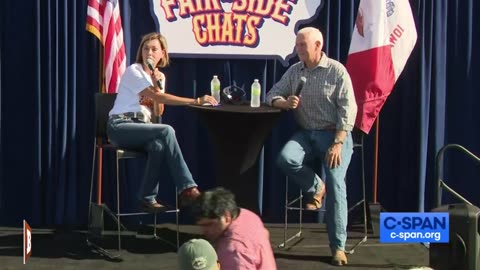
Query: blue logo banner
[[414, 227]]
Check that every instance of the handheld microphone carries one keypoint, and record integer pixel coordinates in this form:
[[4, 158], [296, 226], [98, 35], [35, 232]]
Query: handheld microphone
[[300, 85], [150, 66]]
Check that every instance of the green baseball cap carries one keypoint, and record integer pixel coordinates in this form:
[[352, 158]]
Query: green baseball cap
[[197, 254]]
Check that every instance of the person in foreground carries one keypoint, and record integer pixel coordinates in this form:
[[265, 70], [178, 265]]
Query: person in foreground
[[241, 240], [197, 254], [129, 125], [325, 112]]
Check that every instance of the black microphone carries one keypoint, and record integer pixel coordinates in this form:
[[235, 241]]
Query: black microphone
[[300, 85], [150, 66]]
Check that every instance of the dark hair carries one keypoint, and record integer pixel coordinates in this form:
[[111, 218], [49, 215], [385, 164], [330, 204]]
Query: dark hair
[[215, 203]]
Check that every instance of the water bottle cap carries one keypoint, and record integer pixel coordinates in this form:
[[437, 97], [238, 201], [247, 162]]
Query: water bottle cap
[[256, 80], [215, 76]]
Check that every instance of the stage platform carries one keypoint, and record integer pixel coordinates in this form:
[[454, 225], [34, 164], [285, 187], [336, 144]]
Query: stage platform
[[67, 249]]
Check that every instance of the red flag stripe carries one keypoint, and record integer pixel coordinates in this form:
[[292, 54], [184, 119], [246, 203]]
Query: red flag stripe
[[373, 77], [104, 21], [114, 45], [94, 18]]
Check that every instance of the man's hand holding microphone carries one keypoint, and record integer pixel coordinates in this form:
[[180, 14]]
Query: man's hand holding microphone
[[292, 101]]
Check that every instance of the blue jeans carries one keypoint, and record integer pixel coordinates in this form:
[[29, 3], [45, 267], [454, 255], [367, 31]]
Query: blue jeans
[[305, 147], [160, 144]]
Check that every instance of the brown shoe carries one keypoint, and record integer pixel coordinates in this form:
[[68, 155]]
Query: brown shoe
[[339, 258], [187, 196], [151, 206], [316, 202]]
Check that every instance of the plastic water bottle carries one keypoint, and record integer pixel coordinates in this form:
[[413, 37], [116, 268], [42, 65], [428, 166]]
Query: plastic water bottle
[[215, 88], [256, 91]]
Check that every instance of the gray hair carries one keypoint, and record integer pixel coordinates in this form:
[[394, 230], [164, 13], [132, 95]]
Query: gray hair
[[313, 32]]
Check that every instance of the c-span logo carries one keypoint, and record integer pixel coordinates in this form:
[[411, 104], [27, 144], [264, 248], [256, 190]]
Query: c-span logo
[[27, 241], [414, 227]]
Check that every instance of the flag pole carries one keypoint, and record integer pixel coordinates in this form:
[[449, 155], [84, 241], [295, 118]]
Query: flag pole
[[375, 207], [375, 161], [99, 14], [99, 142]]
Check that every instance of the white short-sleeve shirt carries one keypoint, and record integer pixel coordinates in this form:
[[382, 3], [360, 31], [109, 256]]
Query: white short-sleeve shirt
[[133, 81]]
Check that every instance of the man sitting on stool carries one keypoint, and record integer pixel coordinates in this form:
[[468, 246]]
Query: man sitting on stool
[[325, 112]]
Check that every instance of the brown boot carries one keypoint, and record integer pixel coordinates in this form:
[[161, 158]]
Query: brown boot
[[188, 196], [151, 206], [339, 258], [316, 202]]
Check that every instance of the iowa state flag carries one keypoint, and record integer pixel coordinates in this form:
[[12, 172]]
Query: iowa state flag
[[383, 38]]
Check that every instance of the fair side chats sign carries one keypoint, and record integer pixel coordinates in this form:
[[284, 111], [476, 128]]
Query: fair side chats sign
[[226, 28]]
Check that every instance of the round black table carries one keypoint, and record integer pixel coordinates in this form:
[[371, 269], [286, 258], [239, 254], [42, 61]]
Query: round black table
[[238, 132]]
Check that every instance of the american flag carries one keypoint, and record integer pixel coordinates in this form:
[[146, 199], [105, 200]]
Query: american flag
[[105, 22]]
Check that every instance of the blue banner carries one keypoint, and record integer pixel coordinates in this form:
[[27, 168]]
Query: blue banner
[[414, 227]]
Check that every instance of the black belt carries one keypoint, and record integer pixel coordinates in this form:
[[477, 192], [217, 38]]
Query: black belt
[[131, 115], [330, 127]]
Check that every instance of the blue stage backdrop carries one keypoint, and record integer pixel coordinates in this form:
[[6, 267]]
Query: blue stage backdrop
[[49, 74]]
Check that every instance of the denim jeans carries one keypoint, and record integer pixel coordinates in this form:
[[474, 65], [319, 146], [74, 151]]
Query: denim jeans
[[160, 144], [305, 147]]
